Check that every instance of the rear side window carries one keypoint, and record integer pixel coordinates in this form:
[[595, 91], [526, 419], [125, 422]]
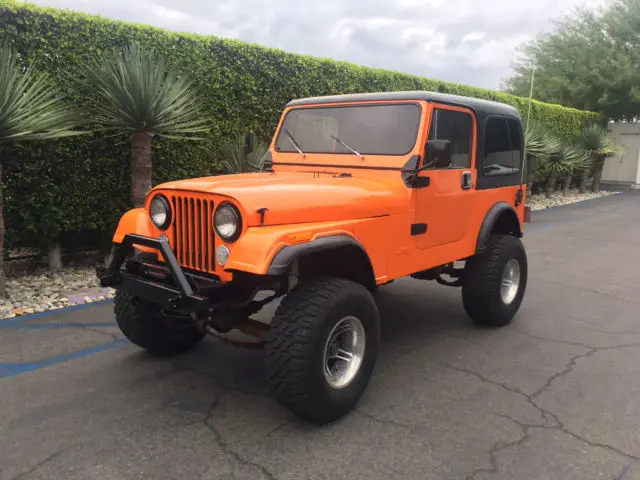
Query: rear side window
[[515, 131], [457, 127], [502, 147]]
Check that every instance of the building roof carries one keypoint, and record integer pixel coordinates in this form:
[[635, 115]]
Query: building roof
[[475, 104]]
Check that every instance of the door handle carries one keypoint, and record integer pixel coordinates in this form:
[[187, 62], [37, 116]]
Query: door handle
[[466, 180]]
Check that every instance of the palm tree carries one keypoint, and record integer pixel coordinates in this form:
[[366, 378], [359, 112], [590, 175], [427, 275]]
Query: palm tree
[[575, 159], [31, 108], [538, 149], [599, 145], [240, 157], [544, 155], [584, 166], [557, 162], [139, 93]]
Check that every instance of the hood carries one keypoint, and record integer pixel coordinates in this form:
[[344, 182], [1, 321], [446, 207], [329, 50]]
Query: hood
[[302, 197]]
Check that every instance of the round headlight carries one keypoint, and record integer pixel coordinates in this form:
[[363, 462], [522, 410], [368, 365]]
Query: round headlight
[[226, 221], [160, 212]]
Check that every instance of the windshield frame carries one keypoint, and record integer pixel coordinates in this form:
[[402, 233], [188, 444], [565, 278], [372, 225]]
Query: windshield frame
[[281, 129]]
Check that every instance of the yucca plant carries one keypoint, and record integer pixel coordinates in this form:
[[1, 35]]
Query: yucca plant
[[574, 158], [599, 145], [238, 157], [138, 93], [582, 168], [31, 108], [537, 151], [557, 161]]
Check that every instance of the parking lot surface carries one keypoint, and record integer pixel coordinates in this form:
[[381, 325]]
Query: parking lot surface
[[553, 396]]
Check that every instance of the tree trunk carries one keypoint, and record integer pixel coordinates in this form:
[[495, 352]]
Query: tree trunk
[[55, 256], [597, 175], [140, 168], [3, 287], [584, 176], [566, 184], [551, 183]]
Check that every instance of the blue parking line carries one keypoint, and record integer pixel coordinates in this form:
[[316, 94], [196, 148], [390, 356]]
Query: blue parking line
[[25, 318], [45, 326], [13, 369]]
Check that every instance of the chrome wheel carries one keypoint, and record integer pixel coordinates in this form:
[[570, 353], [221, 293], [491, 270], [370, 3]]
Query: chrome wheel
[[343, 352], [510, 281]]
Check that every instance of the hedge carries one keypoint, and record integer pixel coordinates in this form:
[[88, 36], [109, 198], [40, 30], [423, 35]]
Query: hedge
[[81, 184]]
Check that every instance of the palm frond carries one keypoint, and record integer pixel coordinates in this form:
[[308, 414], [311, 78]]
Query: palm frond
[[540, 144], [559, 158], [599, 143], [235, 158], [31, 107], [137, 90], [573, 157], [534, 141]]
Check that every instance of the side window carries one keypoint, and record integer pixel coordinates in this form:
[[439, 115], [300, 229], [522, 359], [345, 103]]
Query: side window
[[457, 127], [517, 143], [501, 147]]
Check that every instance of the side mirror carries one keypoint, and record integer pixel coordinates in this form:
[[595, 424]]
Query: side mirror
[[249, 142], [438, 153]]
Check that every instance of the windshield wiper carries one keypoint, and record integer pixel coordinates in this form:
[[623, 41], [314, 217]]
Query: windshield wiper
[[346, 146], [294, 143]]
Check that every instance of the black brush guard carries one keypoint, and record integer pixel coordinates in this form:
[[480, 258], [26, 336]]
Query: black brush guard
[[176, 296]]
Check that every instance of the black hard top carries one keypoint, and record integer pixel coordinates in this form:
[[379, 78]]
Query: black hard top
[[479, 106]]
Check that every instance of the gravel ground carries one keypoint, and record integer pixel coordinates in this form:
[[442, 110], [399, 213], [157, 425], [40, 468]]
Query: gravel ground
[[540, 202], [34, 293]]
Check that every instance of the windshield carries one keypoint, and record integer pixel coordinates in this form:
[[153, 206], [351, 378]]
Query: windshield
[[366, 129]]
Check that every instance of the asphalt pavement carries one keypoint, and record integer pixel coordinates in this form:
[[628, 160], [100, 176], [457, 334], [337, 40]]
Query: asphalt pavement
[[553, 396]]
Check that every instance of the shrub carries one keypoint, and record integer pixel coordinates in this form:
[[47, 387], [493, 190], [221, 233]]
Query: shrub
[[240, 84]]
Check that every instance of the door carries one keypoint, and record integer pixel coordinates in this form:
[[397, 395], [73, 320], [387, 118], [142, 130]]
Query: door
[[443, 208]]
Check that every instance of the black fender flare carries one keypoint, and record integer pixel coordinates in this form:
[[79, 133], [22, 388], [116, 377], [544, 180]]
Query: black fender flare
[[500, 214], [288, 254]]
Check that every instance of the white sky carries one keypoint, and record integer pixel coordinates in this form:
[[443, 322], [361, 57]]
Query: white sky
[[465, 41]]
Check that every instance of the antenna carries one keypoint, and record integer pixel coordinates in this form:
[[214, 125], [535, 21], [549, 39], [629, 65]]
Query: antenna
[[524, 160]]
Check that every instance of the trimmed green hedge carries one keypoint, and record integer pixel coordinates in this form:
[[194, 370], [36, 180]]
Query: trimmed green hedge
[[82, 183]]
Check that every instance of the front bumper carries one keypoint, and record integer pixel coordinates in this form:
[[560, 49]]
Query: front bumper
[[174, 293]]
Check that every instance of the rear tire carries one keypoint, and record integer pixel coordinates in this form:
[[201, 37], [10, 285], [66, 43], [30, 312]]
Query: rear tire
[[305, 351], [141, 323], [494, 282]]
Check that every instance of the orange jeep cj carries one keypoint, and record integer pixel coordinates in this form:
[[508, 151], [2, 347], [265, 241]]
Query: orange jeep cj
[[357, 191]]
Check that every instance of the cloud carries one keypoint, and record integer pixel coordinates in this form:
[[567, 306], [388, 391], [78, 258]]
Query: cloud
[[473, 37], [168, 15], [462, 41]]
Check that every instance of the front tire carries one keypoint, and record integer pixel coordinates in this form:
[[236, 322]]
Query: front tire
[[141, 323], [494, 282], [321, 348]]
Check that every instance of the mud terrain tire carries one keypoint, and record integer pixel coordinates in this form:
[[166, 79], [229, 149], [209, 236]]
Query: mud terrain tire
[[139, 322], [301, 341], [485, 295]]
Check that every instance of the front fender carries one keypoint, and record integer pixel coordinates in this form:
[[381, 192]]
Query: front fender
[[138, 222], [258, 247]]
